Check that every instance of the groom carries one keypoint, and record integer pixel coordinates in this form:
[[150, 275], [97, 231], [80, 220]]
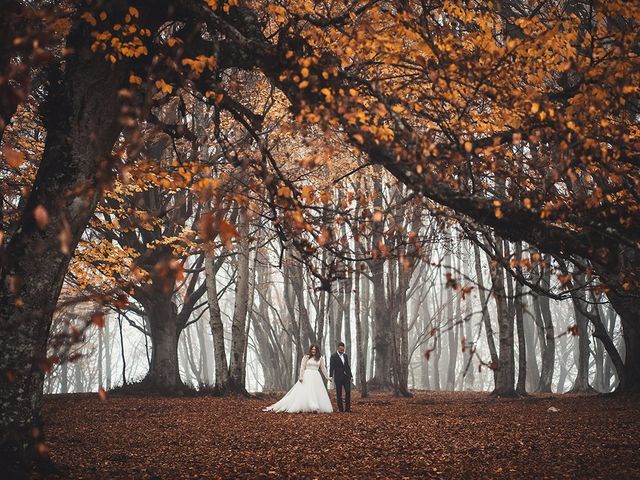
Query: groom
[[340, 373]]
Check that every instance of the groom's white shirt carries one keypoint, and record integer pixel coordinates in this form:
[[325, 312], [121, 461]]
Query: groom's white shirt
[[341, 355]]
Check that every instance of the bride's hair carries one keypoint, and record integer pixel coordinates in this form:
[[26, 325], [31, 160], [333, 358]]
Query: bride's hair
[[317, 355]]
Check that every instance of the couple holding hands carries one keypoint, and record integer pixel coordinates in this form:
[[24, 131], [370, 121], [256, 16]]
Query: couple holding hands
[[309, 394]]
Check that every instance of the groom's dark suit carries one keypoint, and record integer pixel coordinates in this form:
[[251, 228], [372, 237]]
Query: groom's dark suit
[[340, 371]]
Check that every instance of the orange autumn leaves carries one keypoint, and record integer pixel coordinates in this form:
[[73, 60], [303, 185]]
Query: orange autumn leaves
[[433, 434], [13, 157], [395, 75], [121, 37], [212, 226], [457, 78]]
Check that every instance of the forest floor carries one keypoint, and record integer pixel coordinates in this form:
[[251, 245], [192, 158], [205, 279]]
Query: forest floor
[[433, 435]]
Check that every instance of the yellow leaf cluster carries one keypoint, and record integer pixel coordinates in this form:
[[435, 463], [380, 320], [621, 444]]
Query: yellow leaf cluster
[[119, 40], [199, 64]]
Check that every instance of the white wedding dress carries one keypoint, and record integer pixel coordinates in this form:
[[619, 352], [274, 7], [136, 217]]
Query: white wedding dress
[[310, 395]]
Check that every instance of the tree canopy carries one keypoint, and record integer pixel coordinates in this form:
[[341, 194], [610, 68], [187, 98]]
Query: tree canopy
[[136, 117]]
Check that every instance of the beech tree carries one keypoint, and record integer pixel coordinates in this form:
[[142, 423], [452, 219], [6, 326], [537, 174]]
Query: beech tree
[[523, 118]]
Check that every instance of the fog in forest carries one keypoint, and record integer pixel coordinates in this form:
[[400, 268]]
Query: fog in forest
[[441, 320]]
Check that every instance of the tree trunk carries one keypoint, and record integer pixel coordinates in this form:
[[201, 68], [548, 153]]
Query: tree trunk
[[297, 281], [425, 319], [382, 343], [598, 358], [486, 318], [107, 352], [204, 353], [600, 332], [549, 351], [581, 383], [361, 356], [64, 377], [320, 317], [382, 334], [268, 350], [274, 377], [628, 307], [239, 322], [404, 350], [215, 323], [607, 332], [437, 352], [338, 305], [346, 307], [289, 300], [331, 319], [195, 367], [189, 369], [452, 345], [437, 343], [505, 371], [367, 326], [401, 336], [100, 341], [81, 117], [470, 372], [250, 315], [164, 372], [521, 388], [77, 379], [124, 359], [563, 354], [533, 374]]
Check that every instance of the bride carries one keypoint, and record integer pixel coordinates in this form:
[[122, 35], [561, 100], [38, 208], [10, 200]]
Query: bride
[[309, 393]]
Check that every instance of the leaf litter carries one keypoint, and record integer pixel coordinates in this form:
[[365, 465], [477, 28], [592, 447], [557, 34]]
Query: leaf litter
[[432, 435]]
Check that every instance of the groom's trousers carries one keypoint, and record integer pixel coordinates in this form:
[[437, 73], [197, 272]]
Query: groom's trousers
[[346, 383]]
